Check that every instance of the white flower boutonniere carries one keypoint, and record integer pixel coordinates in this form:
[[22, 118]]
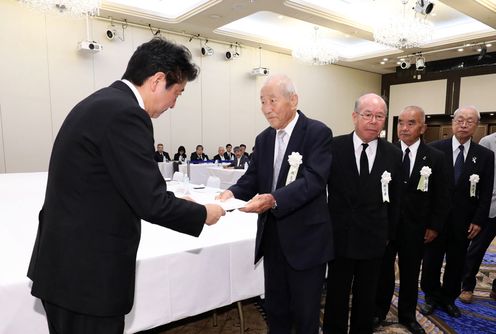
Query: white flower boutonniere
[[295, 159], [423, 184], [474, 179], [385, 179]]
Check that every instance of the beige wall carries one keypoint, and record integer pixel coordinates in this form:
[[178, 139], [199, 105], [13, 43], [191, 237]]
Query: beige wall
[[479, 91], [44, 76], [430, 95]]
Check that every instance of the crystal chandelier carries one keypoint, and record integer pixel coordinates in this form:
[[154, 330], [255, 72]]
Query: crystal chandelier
[[65, 7], [316, 52], [403, 31]]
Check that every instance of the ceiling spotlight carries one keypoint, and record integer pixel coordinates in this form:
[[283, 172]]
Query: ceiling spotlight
[[111, 33], [207, 50], [405, 64], [420, 63], [232, 54], [424, 7]]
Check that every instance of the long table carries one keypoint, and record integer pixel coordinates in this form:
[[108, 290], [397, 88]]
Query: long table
[[177, 275]]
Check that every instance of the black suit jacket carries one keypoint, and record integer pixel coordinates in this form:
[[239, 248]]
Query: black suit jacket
[[219, 158], [195, 157], [243, 160], [301, 216], [419, 209], [363, 222], [102, 180], [468, 210], [178, 155], [160, 157]]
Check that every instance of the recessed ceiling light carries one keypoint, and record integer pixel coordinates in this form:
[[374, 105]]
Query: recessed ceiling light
[[460, 50], [385, 59], [398, 62], [402, 59], [383, 62], [428, 116], [489, 45], [479, 49]]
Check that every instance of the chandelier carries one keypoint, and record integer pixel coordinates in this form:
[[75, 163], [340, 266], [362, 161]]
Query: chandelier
[[403, 31], [65, 7], [316, 52]]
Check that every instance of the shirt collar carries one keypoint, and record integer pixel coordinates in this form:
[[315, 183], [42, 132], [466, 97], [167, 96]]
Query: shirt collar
[[135, 92], [290, 127], [455, 145], [413, 148], [357, 143]]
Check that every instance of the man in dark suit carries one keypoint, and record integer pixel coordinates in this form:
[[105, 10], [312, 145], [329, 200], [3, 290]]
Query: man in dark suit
[[240, 159], [286, 186], [229, 155], [102, 181], [364, 196], [160, 155], [424, 207], [198, 155], [470, 168], [220, 156], [481, 242]]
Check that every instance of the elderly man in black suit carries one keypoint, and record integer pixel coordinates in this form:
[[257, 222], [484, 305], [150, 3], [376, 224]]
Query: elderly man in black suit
[[199, 155], [424, 206], [240, 160], [102, 181], [160, 155], [470, 168], [286, 186], [364, 196]]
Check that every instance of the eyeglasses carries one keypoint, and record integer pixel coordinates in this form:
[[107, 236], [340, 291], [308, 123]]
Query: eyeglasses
[[369, 116], [461, 121]]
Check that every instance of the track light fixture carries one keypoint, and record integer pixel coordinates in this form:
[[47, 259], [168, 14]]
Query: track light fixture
[[405, 64], [420, 63], [207, 50], [232, 54], [423, 7]]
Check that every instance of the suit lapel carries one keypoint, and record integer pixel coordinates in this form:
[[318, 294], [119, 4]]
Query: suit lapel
[[421, 160], [294, 145]]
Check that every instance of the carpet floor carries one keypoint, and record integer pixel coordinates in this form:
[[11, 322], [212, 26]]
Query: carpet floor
[[477, 318]]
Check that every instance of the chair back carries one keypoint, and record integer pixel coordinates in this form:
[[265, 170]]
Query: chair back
[[178, 176], [213, 182]]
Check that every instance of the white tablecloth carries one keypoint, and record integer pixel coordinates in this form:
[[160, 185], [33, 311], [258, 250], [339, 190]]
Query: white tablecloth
[[166, 169], [198, 173], [177, 275], [227, 176]]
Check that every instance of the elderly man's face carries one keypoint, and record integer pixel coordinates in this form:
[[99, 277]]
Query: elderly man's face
[[221, 151], [410, 126], [464, 124], [370, 117], [277, 108]]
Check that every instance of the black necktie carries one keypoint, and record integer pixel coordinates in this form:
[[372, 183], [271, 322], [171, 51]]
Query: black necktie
[[406, 165], [459, 164], [364, 164]]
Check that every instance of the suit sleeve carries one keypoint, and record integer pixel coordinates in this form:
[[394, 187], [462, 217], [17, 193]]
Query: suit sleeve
[[485, 190], [127, 150]]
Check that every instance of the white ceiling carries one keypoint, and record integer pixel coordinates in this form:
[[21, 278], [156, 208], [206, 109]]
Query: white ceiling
[[348, 24]]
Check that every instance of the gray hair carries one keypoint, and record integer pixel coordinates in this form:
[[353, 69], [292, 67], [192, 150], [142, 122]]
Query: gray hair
[[417, 109], [283, 82], [465, 108], [358, 102]]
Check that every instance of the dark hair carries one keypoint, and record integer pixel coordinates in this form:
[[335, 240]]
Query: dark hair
[[161, 55], [242, 145], [199, 146], [228, 145], [181, 148]]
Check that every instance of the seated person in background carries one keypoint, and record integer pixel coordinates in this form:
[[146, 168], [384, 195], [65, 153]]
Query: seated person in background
[[229, 155], [221, 156], [252, 151], [160, 155], [181, 154], [240, 160], [242, 147], [198, 155]]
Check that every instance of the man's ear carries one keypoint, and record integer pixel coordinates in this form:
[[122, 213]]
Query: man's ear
[[155, 80], [294, 100]]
